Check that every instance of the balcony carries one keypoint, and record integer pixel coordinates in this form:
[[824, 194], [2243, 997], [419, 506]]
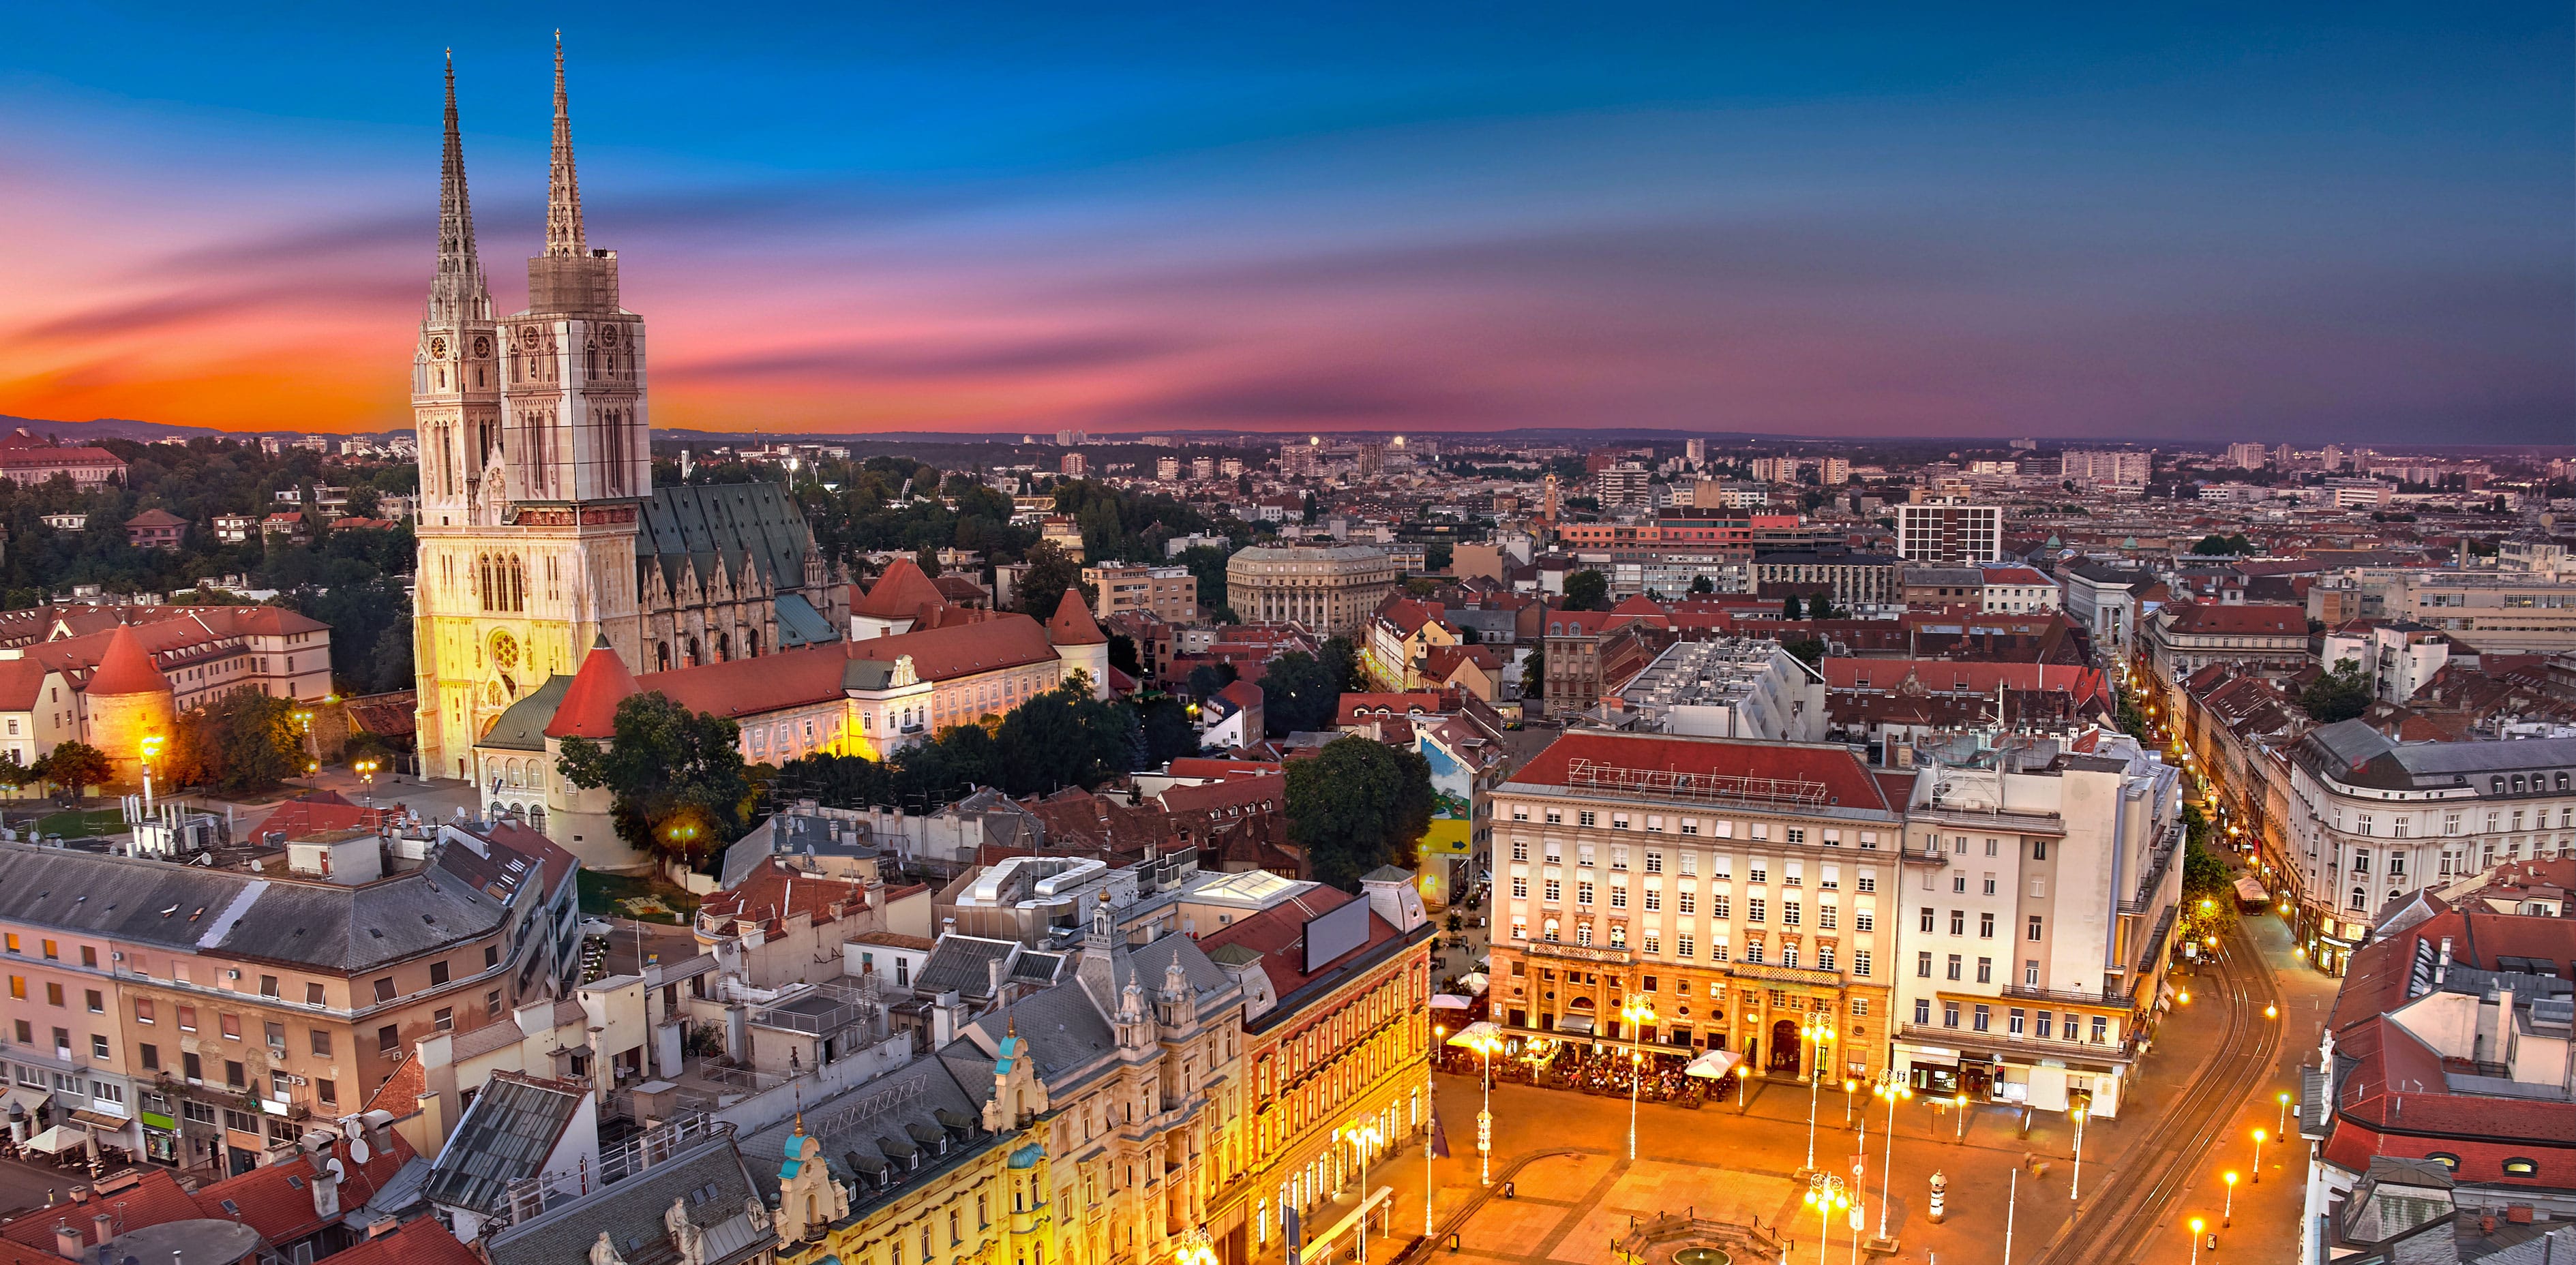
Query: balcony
[[1997, 819], [2069, 996]]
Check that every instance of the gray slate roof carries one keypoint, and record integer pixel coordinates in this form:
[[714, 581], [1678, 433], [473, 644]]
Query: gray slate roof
[[710, 1174], [799, 624], [872, 1126], [153, 902], [728, 522], [352, 929], [523, 726], [961, 962]]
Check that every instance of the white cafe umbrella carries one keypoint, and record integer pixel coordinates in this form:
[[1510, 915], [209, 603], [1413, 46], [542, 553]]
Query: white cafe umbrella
[[1714, 1065], [1474, 981], [58, 1139], [1450, 1001]]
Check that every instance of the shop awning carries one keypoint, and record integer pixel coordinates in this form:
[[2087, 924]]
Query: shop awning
[[1474, 981], [1577, 1025], [2251, 892], [99, 1120], [1450, 1001], [25, 1099]]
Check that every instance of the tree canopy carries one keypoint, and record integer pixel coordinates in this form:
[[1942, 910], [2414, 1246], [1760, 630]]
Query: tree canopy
[[2337, 695], [1051, 571], [2235, 545], [1587, 590], [1060, 738], [1356, 805], [679, 784]]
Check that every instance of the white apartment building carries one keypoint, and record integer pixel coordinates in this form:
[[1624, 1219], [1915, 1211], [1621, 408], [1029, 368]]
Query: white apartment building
[[2018, 590], [1737, 886], [2398, 657], [2372, 819], [2118, 469], [2040, 895], [2247, 456], [1732, 687], [2502, 612], [1949, 532]]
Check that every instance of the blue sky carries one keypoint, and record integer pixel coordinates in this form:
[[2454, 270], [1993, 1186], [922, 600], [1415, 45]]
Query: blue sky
[[2304, 223]]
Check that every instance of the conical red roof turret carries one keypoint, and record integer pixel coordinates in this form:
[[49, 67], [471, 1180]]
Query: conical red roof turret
[[1073, 625], [589, 707], [126, 668]]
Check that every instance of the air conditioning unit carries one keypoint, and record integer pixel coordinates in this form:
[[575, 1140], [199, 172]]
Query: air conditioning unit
[[232, 973]]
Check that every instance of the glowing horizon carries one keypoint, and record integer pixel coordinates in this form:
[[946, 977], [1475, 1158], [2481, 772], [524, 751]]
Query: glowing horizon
[[2301, 226]]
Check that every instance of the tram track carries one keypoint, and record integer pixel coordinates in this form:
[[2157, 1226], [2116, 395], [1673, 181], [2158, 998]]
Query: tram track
[[2117, 1224]]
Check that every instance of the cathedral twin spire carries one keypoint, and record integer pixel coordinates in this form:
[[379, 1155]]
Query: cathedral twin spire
[[459, 291]]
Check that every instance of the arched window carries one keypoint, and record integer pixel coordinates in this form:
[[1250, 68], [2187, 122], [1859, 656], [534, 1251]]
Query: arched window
[[2521, 1166], [751, 644], [695, 654], [2360, 899], [662, 656], [483, 569], [724, 647], [2445, 1159], [518, 583]]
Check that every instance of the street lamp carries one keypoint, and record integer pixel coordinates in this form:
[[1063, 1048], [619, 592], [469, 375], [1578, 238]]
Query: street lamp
[[1817, 1030], [2228, 1218], [1196, 1249], [2075, 1189], [1825, 1193], [1484, 1038], [1960, 1105], [2285, 1113], [2196, 1225], [1363, 1138], [2259, 1135], [151, 748], [2271, 1012], [1637, 1014], [1892, 1087]]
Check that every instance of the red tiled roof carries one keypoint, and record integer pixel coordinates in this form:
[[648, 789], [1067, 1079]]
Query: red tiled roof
[[2247, 620], [420, 1241], [400, 1094], [775, 890], [1278, 934], [812, 674], [154, 1198], [22, 682], [1846, 781], [1073, 625], [1203, 766], [313, 812], [125, 668], [281, 1210], [1353, 708], [900, 593], [589, 706]]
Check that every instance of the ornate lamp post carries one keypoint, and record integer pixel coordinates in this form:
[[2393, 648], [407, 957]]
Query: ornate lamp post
[[1638, 1013], [1363, 1137], [1484, 1038], [1825, 1194], [1817, 1031], [1891, 1086]]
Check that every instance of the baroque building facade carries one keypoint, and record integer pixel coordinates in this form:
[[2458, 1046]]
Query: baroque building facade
[[540, 529]]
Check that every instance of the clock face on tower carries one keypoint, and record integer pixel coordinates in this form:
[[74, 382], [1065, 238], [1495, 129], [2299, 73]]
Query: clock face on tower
[[438, 349], [530, 337], [608, 335], [482, 347]]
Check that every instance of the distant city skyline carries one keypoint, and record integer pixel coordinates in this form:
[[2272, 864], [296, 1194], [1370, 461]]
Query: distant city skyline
[[2328, 227]]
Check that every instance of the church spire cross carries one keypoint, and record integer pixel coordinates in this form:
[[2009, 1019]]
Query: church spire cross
[[563, 190]]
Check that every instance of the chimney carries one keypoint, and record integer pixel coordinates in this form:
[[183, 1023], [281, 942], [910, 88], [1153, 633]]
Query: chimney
[[2442, 965], [67, 1241], [102, 1227], [993, 976]]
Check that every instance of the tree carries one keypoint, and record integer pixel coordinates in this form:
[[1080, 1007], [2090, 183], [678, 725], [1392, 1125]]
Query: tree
[[1300, 694], [2338, 695], [927, 559], [1808, 650], [1169, 733], [1700, 585], [1534, 674], [17, 776], [1207, 678], [1791, 609], [1342, 657], [1356, 805], [1051, 571], [2236, 545], [75, 767], [1123, 656], [243, 743], [1587, 590], [676, 775]]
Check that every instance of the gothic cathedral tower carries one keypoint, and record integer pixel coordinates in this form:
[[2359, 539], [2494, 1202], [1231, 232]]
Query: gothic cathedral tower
[[534, 460]]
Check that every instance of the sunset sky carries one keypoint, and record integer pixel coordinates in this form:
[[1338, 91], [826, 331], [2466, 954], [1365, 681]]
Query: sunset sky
[[2350, 222]]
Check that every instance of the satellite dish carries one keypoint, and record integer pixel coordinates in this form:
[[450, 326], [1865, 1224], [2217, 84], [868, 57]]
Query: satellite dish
[[357, 1150], [339, 1172], [351, 1129]]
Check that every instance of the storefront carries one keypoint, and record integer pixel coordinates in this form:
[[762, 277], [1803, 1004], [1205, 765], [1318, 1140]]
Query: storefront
[[2020, 1076]]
